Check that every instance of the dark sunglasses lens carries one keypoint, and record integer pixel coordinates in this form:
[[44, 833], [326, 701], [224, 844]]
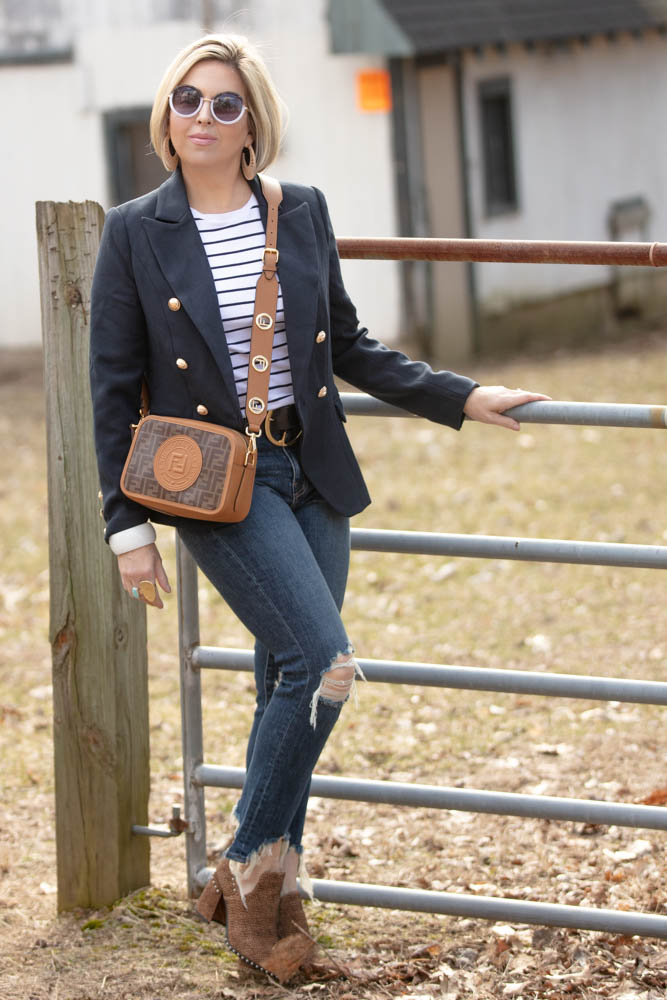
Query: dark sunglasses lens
[[227, 107], [186, 100]]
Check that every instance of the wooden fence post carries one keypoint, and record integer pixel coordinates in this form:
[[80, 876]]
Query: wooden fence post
[[97, 633]]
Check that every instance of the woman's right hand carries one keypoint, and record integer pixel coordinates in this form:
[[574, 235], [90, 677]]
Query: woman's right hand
[[144, 565]]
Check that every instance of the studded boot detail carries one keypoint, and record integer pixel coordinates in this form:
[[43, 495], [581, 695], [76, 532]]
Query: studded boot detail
[[252, 928]]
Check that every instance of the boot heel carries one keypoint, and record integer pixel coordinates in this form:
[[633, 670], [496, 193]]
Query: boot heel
[[211, 905]]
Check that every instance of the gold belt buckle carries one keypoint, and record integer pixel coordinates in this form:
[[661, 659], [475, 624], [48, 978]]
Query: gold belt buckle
[[279, 442]]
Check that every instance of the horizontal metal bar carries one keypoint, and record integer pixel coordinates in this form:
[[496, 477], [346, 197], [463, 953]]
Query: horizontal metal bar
[[555, 550], [456, 904], [459, 799], [636, 415], [174, 828], [491, 908], [468, 678], [155, 831], [509, 251], [592, 414]]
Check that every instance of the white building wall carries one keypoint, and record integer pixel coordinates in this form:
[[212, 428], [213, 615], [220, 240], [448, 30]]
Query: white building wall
[[47, 156], [57, 151], [588, 131]]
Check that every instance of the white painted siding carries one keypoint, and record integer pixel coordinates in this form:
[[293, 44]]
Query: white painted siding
[[56, 147], [588, 130], [46, 157]]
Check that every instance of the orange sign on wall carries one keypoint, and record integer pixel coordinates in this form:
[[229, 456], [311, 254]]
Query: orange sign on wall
[[374, 90]]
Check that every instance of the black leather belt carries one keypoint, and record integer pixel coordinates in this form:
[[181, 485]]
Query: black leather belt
[[282, 426]]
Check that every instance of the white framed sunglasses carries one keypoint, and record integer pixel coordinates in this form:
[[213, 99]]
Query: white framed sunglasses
[[186, 102]]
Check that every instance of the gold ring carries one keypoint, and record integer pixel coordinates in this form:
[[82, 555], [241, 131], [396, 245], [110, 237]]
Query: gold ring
[[147, 590]]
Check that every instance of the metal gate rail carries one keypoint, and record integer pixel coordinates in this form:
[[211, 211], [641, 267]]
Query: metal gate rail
[[468, 678], [195, 657], [550, 411], [396, 793], [509, 251]]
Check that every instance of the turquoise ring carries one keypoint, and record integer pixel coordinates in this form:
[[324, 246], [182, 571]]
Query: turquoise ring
[[135, 592]]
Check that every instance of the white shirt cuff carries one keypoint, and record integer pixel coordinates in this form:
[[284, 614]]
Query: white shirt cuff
[[132, 538]]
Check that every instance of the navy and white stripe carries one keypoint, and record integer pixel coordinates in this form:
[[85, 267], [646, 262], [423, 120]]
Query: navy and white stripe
[[234, 242]]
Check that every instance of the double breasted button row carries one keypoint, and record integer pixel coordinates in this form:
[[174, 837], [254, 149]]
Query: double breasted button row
[[319, 339]]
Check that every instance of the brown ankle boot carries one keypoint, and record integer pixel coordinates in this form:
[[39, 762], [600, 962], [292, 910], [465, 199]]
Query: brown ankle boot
[[252, 928], [292, 920], [291, 915], [211, 905]]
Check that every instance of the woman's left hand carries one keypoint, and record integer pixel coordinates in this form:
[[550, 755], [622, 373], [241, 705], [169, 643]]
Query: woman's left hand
[[487, 404]]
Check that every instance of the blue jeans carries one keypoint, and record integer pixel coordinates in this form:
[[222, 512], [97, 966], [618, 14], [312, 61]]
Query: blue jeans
[[283, 572]]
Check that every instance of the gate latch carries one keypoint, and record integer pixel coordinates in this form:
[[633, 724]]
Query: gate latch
[[174, 828]]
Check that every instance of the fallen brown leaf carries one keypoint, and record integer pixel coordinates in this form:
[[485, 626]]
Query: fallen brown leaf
[[658, 797], [425, 950]]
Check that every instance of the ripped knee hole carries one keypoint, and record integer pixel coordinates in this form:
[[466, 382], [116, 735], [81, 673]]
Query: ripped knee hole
[[336, 683]]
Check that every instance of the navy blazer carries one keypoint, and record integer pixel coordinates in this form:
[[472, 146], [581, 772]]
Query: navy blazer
[[150, 253]]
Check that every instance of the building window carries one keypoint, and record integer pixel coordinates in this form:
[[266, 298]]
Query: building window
[[133, 167], [34, 31], [500, 187]]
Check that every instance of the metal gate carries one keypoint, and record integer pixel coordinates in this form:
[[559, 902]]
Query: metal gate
[[195, 657]]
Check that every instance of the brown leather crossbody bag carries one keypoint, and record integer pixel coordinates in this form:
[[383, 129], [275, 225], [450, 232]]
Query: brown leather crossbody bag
[[202, 470]]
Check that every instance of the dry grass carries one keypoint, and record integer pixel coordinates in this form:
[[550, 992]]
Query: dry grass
[[550, 482]]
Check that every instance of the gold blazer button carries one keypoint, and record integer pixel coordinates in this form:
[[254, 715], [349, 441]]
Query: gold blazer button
[[174, 304], [182, 364], [321, 337], [322, 393], [202, 410]]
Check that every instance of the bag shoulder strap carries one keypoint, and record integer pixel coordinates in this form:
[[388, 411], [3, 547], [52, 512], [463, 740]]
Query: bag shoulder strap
[[274, 195], [264, 318]]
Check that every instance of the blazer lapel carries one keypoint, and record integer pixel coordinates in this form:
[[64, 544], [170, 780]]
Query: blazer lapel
[[180, 253]]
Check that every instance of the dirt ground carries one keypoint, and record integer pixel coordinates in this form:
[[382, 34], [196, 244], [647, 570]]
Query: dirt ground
[[588, 483]]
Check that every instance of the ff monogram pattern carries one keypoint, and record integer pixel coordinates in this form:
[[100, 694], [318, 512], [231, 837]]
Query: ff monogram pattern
[[154, 454]]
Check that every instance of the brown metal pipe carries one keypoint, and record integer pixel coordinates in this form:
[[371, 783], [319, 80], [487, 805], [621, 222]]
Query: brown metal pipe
[[511, 251]]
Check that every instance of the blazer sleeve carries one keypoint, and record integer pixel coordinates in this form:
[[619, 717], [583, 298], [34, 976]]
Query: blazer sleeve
[[118, 360], [379, 370]]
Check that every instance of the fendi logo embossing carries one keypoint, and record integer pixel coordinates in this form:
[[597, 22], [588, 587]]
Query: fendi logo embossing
[[177, 463]]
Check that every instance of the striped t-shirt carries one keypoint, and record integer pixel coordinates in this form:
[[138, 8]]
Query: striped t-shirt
[[234, 242]]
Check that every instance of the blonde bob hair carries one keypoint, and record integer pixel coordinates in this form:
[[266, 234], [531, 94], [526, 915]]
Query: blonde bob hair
[[265, 107]]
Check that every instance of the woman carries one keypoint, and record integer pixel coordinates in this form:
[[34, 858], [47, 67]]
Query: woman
[[172, 301]]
